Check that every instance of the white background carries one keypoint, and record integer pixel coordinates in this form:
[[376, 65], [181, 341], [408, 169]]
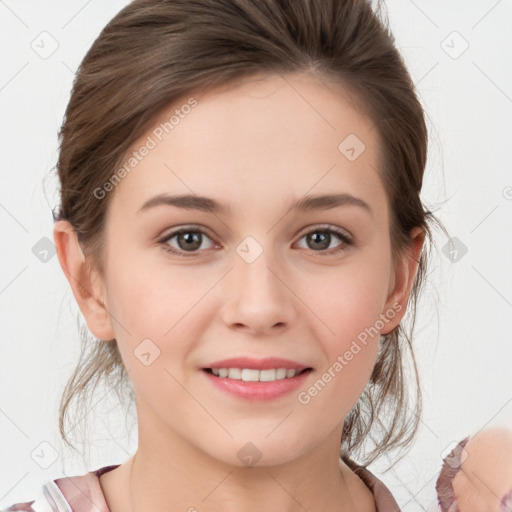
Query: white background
[[463, 343]]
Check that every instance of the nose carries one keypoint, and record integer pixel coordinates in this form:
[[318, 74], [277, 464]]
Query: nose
[[257, 297]]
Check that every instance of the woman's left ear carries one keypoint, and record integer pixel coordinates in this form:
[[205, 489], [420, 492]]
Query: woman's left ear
[[403, 279]]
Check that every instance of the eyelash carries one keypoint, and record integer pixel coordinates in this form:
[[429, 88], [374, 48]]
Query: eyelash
[[346, 241]]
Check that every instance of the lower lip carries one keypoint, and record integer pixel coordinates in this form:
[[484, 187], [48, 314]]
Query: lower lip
[[258, 390]]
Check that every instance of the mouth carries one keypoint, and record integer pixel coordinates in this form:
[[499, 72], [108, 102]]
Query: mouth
[[253, 378], [257, 385], [254, 375]]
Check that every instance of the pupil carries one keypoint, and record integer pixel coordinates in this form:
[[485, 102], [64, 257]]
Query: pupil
[[191, 239], [322, 238]]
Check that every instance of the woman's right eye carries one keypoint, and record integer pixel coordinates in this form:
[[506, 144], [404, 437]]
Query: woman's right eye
[[188, 240]]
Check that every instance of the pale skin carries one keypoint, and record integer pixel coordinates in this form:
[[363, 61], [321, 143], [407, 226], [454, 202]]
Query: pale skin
[[256, 147]]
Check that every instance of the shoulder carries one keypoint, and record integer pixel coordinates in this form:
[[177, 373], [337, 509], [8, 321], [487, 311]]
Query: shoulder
[[48, 499], [477, 473], [68, 494], [384, 500]]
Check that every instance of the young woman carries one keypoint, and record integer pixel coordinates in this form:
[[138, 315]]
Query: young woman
[[242, 228]]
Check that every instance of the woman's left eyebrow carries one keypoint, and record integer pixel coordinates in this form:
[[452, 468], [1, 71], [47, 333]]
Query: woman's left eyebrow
[[208, 204]]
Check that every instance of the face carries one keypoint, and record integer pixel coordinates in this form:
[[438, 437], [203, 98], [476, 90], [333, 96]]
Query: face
[[253, 278]]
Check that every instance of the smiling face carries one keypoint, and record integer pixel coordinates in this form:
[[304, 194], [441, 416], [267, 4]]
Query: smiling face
[[252, 277]]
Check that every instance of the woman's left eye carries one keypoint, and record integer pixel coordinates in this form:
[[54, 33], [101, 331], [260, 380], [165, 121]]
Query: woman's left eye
[[322, 238], [191, 240]]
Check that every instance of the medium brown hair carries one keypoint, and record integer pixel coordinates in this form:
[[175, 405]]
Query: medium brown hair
[[155, 51]]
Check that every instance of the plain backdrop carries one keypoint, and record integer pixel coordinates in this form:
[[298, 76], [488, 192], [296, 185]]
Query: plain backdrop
[[458, 53]]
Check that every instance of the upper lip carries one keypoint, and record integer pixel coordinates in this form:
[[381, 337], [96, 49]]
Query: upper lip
[[258, 364]]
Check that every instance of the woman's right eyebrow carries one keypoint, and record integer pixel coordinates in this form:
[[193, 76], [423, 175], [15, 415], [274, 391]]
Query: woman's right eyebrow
[[187, 201], [208, 204]]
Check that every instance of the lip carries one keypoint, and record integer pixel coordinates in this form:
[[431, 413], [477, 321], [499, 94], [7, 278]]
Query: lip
[[257, 364], [257, 391]]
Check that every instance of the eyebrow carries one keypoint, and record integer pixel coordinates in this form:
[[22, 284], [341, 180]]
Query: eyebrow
[[207, 204]]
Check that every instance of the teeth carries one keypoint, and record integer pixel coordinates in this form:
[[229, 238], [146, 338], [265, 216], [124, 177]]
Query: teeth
[[281, 373], [251, 375], [234, 373]]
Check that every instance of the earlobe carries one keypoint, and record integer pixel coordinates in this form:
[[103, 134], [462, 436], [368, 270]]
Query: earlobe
[[85, 283], [404, 277]]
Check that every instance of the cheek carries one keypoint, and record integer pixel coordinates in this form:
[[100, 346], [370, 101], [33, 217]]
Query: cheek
[[149, 314], [349, 302], [349, 299], [161, 304], [149, 300]]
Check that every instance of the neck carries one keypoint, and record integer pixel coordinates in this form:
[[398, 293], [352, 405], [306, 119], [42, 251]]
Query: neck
[[184, 478]]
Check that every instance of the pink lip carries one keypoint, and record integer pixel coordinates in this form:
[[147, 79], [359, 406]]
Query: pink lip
[[257, 364], [262, 391]]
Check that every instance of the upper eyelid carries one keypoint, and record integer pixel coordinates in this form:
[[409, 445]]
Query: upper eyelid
[[184, 229], [325, 226]]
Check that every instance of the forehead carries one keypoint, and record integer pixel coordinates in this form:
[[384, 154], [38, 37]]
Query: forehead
[[255, 140]]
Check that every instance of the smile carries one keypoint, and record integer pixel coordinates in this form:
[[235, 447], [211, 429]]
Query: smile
[[257, 385], [252, 375]]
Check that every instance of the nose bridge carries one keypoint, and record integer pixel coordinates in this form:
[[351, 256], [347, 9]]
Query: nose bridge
[[253, 268], [257, 297]]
